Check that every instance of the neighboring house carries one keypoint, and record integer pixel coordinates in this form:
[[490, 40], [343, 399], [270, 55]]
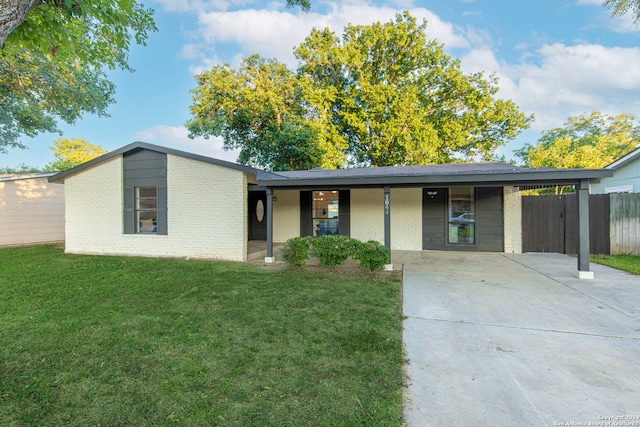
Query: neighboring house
[[626, 176], [31, 209], [154, 201], [623, 189]]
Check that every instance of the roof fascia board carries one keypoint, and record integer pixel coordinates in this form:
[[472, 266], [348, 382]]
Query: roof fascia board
[[624, 159], [138, 145], [528, 177]]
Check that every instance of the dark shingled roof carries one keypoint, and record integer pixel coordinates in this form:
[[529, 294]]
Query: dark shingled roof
[[444, 169], [485, 173]]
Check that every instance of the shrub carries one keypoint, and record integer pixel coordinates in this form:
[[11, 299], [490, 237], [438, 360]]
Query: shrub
[[295, 251], [331, 250], [372, 255]]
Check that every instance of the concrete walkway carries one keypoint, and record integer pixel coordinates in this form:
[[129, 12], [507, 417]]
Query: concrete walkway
[[517, 340]]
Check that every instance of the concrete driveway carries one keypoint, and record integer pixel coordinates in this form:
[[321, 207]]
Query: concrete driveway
[[516, 340]]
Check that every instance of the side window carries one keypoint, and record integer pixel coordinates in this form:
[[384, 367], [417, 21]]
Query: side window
[[146, 209], [462, 221]]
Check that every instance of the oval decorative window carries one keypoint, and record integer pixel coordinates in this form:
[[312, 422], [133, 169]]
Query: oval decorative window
[[260, 211]]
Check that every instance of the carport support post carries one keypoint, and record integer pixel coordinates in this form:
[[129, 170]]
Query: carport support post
[[583, 230], [269, 257], [387, 223]]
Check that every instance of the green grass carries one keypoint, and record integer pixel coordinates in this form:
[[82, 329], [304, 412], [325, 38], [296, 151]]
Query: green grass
[[628, 263], [89, 340]]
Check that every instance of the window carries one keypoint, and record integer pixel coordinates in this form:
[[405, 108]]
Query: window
[[146, 209], [325, 213], [461, 215]]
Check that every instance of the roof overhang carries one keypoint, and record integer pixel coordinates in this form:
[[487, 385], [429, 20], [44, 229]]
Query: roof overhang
[[138, 145], [628, 158], [521, 177]]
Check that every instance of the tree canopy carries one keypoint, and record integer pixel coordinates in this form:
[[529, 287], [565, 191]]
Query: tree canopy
[[73, 152], [304, 4], [53, 57], [67, 153], [380, 95], [587, 141], [622, 7]]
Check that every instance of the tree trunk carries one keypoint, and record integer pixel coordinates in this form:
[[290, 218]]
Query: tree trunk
[[12, 14]]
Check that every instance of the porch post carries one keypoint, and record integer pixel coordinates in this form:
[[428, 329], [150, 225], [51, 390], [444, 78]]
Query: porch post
[[269, 258], [387, 224], [387, 217], [583, 230]]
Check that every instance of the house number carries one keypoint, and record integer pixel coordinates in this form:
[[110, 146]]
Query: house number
[[386, 204]]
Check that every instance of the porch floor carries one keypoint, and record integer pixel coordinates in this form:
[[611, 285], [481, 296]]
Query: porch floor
[[257, 250]]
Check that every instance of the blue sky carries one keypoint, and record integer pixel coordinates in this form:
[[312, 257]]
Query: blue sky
[[554, 58]]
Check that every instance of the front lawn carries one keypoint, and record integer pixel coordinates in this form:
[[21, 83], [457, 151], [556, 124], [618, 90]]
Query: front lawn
[[628, 263], [89, 340]]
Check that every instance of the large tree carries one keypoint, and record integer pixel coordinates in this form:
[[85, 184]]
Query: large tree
[[587, 141], [380, 95], [53, 58], [259, 108]]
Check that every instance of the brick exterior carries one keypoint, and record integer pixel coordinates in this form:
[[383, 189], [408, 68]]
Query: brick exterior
[[512, 220], [406, 219], [286, 215], [206, 212], [367, 214]]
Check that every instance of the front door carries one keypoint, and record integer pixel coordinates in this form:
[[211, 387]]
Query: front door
[[257, 215]]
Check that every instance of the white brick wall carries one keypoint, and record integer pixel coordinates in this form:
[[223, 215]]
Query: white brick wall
[[406, 219], [367, 214], [31, 211], [206, 212], [512, 220], [286, 215]]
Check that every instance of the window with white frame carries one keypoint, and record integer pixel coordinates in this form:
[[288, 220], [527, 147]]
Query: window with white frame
[[146, 210]]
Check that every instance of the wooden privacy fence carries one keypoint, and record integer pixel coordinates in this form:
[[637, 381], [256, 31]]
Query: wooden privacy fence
[[550, 223], [625, 223]]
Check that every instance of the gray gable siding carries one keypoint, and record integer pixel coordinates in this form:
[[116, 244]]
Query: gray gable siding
[[144, 168]]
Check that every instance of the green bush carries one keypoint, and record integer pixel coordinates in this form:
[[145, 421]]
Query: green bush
[[331, 250], [295, 251], [372, 255]]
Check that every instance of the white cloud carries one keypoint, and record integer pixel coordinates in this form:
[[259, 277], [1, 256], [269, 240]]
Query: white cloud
[[274, 33], [571, 80], [178, 138]]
